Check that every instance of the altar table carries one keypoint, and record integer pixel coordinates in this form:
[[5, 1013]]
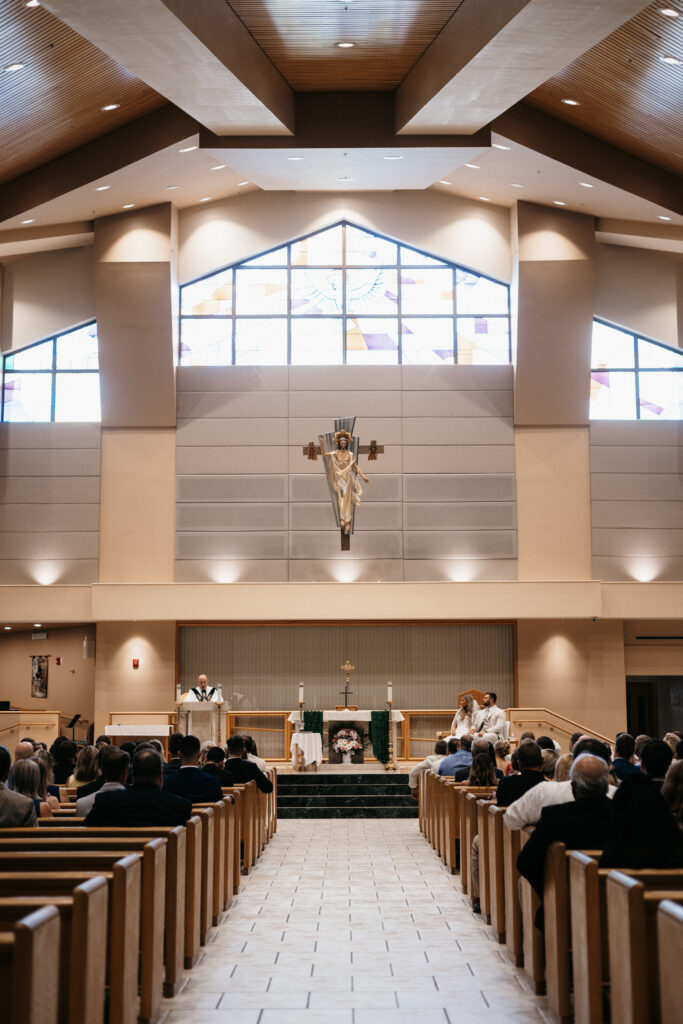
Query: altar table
[[351, 716], [311, 746]]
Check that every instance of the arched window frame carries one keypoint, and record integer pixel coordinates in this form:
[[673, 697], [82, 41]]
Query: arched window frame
[[51, 370], [400, 316], [635, 370]]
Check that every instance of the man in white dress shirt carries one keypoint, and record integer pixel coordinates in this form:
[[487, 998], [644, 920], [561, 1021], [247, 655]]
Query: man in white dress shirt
[[490, 722], [202, 693]]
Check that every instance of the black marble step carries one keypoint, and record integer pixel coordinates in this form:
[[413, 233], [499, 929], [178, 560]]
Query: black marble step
[[342, 779], [345, 800], [376, 789], [348, 812], [345, 795]]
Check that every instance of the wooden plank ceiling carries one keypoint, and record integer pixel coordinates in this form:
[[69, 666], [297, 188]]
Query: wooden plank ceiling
[[52, 104], [628, 96], [301, 36]]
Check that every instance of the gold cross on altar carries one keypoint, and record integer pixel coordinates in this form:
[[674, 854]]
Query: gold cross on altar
[[348, 668]]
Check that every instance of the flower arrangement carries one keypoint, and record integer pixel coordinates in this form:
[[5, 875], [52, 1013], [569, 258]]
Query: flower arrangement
[[347, 741]]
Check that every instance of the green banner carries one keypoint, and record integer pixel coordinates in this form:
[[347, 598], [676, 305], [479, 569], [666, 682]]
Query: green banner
[[313, 721], [379, 734]]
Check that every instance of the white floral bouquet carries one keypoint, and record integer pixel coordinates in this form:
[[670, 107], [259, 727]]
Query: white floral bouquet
[[346, 741]]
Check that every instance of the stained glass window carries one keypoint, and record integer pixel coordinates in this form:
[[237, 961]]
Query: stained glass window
[[56, 380], [344, 295], [633, 377]]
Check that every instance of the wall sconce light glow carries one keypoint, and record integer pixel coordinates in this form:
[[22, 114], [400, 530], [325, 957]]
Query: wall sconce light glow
[[644, 570], [461, 571], [345, 572], [225, 572], [46, 573]]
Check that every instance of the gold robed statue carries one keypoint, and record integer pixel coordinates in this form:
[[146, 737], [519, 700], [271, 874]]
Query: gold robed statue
[[344, 477]]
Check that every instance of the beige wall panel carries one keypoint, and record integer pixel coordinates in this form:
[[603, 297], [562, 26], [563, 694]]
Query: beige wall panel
[[636, 432], [233, 570], [553, 503], [460, 515], [232, 378], [227, 432], [53, 518], [576, 669], [137, 505], [120, 687], [439, 430], [637, 289], [223, 489], [35, 489], [459, 570], [231, 545], [51, 462], [636, 459], [59, 546], [630, 568], [70, 686], [389, 462], [638, 542], [370, 516], [450, 227], [457, 378], [545, 234], [636, 486], [384, 431], [237, 516], [653, 660], [46, 571], [460, 459], [143, 235], [341, 571], [239, 460], [459, 544], [45, 293], [50, 435], [457, 403], [459, 487], [345, 378], [360, 403], [67, 604], [314, 488], [651, 515], [376, 546], [233, 405]]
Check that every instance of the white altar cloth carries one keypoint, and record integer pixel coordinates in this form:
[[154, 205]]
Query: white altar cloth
[[347, 716], [141, 729], [310, 744]]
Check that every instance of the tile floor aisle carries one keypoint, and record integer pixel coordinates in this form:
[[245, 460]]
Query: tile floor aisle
[[352, 922]]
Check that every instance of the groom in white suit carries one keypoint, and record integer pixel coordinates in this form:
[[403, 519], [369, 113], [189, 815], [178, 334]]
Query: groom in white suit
[[490, 722]]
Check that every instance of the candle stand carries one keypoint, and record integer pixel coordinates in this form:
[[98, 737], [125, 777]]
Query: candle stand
[[391, 765]]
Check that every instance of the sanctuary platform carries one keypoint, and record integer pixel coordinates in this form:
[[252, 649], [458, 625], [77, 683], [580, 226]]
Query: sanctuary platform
[[344, 794]]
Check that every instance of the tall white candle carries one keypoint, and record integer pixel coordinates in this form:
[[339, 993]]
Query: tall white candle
[[301, 693], [389, 691]]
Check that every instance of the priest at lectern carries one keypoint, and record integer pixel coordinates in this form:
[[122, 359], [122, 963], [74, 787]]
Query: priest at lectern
[[203, 693]]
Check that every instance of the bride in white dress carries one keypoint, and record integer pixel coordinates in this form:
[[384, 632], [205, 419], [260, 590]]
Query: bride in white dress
[[463, 719]]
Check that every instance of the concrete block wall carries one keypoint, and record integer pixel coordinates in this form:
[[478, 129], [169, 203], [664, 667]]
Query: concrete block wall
[[49, 502], [637, 500], [440, 505]]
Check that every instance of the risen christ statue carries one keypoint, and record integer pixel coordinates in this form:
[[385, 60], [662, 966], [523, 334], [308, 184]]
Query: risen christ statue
[[344, 477]]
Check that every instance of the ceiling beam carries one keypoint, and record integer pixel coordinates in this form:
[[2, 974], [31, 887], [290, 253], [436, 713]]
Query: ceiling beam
[[492, 53], [196, 53], [87, 163]]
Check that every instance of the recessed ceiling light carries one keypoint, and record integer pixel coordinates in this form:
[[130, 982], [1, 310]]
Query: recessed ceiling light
[[37, 625], [668, 12], [396, 156], [572, 103], [515, 184], [8, 627], [128, 206], [218, 167], [102, 188], [670, 59], [662, 217], [558, 202], [206, 199], [188, 149], [345, 46], [170, 188], [485, 199], [442, 181], [15, 66], [33, 3], [586, 184], [240, 183], [475, 167], [499, 145], [345, 177], [293, 158], [111, 106], [30, 221]]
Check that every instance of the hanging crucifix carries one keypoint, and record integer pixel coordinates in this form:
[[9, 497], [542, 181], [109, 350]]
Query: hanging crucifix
[[340, 451]]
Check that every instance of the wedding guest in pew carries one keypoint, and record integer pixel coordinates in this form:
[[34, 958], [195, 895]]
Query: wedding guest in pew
[[251, 753], [624, 764], [549, 759], [65, 760], [114, 764], [242, 770], [93, 787], [584, 823], [144, 803], [458, 755], [563, 767], [23, 751], [679, 751], [24, 778], [173, 763], [527, 810], [527, 735], [190, 781], [672, 791], [214, 765], [645, 833], [481, 772], [86, 769], [16, 811], [573, 740], [46, 792], [102, 741], [655, 758], [641, 740], [672, 740], [512, 787], [481, 746], [501, 748], [430, 763]]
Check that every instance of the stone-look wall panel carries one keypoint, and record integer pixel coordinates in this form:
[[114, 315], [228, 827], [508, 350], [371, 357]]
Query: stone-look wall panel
[[637, 500], [440, 504], [49, 502]]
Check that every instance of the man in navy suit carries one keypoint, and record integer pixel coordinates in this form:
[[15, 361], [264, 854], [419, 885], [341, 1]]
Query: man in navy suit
[[190, 781], [142, 804], [243, 770]]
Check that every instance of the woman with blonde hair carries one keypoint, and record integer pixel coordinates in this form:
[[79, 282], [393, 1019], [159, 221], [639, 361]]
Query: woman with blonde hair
[[672, 740], [24, 778], [463, 720], [86, 769], [502, 751], [562, 767]]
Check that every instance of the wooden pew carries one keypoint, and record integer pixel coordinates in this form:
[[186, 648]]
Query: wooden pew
[[29, 969], [208, 817], [532, 938], [496, 870], [152, 903], [123, 939], [591, 954], [82, 966], [670, 943], [632, 903], [237, 798], [482, 831], [218, 867], [513, 911], [469, 826]]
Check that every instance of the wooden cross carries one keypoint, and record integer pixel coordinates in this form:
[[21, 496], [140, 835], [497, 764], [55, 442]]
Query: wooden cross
[[372, 450]]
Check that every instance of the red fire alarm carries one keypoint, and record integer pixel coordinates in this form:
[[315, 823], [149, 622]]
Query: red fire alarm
[[136, 663], [58, 661]]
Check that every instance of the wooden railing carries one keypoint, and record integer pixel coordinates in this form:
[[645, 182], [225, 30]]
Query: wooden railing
[[232, 725], [544, 722]]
